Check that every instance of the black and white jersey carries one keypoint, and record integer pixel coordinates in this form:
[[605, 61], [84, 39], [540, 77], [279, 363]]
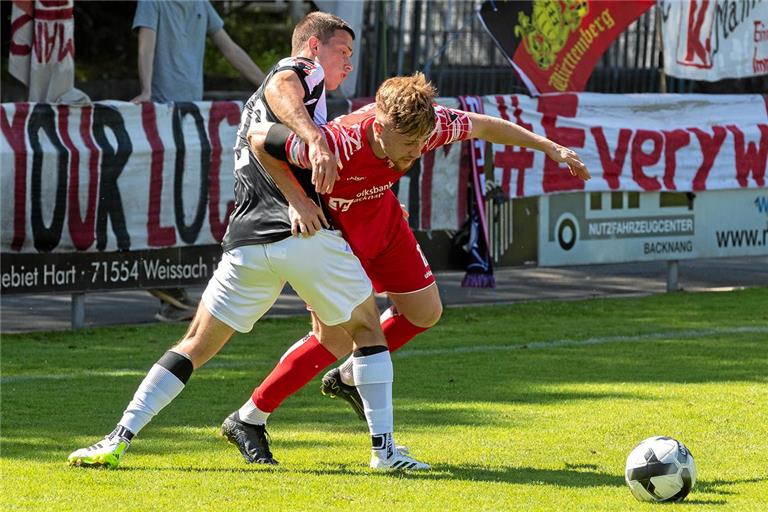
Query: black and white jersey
[[261, 210]]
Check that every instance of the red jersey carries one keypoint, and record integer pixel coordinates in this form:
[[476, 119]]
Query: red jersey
[[361, 203]]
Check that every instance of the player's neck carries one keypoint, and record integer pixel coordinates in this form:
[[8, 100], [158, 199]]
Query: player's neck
[[306, 54], [378, 151]]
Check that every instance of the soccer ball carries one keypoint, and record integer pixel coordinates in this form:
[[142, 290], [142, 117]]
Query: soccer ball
[[660, 469]]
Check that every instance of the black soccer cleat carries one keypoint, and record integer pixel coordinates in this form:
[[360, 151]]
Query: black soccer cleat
[[333, 387], [251, 440]]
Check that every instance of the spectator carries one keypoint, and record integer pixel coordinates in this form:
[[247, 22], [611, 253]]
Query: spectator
[[171, 51]]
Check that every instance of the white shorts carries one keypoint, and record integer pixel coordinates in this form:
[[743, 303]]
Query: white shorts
[[321, 269]]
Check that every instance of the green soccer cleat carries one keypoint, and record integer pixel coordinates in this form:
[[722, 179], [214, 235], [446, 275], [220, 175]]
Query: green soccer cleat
[[104, 454]]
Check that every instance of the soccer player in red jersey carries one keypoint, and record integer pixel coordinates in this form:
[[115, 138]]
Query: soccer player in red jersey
[[375, 146], [260, 256]]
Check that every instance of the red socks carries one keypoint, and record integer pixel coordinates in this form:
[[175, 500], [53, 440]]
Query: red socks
[[397, 329], [298, 366], [305, 359]]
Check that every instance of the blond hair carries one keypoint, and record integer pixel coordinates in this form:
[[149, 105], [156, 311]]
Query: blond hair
[[404, 103], [322, 25]]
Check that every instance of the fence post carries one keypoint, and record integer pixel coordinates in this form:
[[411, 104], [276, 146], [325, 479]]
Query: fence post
[[77, 319], [672, 283]]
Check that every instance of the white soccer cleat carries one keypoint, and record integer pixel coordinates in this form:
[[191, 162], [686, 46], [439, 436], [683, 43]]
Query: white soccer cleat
[[387, 456], [105, 454], [397, 461]]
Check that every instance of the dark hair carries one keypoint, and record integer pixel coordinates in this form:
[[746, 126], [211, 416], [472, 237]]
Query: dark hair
[[319, 24]]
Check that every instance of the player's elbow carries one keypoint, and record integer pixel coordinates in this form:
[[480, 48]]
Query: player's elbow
[[257, 137]]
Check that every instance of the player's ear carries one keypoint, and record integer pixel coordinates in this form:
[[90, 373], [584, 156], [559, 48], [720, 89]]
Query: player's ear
[[314, 45], [377, 127]]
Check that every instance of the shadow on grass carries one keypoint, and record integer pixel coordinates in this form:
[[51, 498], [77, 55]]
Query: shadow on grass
[[440, 390], [585, 477], [696, 502], [201, 407], [469, 473], [718, 486], [167, 443]]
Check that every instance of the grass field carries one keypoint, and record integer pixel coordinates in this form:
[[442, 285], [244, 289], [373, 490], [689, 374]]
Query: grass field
[[524, 407]]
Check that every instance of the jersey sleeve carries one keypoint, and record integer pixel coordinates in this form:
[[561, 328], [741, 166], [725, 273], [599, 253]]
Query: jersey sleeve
[[451, 126], [215, 23], [343, 141], [310, 74], [147, 15]]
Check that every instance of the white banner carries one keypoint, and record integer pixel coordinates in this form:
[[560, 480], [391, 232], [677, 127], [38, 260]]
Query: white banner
[[617, 227], [715, 39], [42, 50], [643, 142], [116, 176]]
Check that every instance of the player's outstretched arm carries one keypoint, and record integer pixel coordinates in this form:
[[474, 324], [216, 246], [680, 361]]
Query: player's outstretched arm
[[285, 96], [504, 132], [307, 218]]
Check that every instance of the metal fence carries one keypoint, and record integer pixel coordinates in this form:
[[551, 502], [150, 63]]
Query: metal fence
[[446, 41]]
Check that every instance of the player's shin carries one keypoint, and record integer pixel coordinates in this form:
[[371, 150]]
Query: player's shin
[[165, 380], [373, 371], [162, 384], [299, 365], [397, 330], [372, 367]]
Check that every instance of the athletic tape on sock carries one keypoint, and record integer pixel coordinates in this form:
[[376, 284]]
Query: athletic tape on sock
[[369, 351], [178, 364], [374, 375], [157, 390], [373, 369]]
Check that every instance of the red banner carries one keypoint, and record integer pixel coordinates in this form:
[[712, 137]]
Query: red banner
[[554, 45]]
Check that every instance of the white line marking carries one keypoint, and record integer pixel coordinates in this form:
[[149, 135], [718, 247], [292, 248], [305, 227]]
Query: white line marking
[[653, 336], [535, 345]]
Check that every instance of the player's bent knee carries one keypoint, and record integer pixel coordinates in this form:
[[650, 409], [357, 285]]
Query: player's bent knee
[[335, 340], [427, 317]]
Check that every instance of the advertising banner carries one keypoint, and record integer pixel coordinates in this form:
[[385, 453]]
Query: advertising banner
[[715, 39], [116, 176], [616, 227], [153, 183], [640, 142], [114, 195]]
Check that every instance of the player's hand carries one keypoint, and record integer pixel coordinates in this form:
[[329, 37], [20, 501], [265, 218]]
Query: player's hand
[[324, 167], [307, 218], [567, 156]]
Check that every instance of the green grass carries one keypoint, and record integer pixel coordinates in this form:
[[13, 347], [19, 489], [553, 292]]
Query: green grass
[[512, 415]]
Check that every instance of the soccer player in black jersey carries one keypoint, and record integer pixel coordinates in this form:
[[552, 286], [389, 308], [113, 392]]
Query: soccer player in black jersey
[[260, 255]]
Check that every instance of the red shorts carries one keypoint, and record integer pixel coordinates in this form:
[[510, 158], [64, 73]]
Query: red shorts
[[401, 267]]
